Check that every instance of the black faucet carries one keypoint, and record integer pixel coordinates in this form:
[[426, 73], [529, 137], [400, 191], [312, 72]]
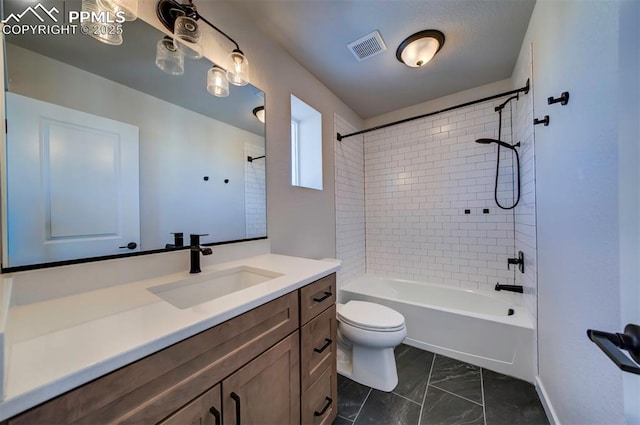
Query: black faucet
[[178, 241], [519, 261], [195, 250], [511, 288]]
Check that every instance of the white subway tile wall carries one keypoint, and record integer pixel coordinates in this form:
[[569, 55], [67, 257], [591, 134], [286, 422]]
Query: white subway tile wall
[[350, 217], [255, 192], [420, 177]]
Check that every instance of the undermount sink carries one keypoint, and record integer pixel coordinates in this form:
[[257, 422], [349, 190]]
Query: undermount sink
[[205, 287]]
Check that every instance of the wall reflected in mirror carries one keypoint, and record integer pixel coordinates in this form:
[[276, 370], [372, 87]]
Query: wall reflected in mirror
[[104, 150]]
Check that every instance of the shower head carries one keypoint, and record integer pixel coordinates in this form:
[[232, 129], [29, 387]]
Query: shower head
[[499, 142]]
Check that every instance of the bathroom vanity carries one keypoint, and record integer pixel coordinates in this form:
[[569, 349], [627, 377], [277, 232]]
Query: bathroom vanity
[[273, 363]]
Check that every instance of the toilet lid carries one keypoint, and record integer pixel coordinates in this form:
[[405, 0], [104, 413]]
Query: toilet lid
[[370, 316]]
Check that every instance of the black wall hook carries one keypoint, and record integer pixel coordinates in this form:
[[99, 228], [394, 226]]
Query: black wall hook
[[544, 121], [563, 99]]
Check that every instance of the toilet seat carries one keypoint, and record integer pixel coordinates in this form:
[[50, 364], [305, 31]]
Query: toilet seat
[[370, 316]]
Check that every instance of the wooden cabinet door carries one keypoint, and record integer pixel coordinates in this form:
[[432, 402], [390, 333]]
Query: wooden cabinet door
[[267, 390], [204, 410]]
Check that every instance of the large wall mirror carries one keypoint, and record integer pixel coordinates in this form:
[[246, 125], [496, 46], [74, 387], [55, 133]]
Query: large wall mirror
[[107, 155]]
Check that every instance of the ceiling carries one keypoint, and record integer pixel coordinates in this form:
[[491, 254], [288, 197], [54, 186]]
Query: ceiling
[[483, 39]]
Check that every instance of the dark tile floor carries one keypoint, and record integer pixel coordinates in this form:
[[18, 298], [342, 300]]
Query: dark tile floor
[[434, 389]]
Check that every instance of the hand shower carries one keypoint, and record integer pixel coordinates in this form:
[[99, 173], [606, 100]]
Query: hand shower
[[500, 143]]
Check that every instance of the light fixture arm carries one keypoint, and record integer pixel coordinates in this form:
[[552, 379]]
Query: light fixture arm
[[168, 10], [200, 17]]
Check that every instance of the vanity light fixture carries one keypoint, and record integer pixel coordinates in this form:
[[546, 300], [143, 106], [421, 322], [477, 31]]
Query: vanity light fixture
[[259, 113], [186, 36], [217, 83], [419, 48], [182, 20], [168, 58]]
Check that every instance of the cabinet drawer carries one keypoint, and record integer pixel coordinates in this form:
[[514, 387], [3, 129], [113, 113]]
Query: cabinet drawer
[[319, 344], [320, 400], [317, 297]]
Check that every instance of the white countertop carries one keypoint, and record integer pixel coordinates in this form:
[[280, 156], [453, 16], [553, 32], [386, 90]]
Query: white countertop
[[59, 344]]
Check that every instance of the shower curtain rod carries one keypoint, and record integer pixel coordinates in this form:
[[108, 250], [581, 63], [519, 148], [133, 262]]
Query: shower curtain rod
[[524, 89]]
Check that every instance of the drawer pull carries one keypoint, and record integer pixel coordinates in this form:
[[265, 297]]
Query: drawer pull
[[324, 347], [324, 409], [236, 398], [216, 414], [326, 295]]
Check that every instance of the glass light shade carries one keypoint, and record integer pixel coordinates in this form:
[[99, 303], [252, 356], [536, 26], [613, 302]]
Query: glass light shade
[[129, 8], [259, 113], [168, 58], [217, 83], [98, 30], [419, 52], [186, 37], [237, 68]]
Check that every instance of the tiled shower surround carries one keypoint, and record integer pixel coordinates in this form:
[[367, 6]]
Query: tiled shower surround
[[255, 192], [350, 242], [426, 187]]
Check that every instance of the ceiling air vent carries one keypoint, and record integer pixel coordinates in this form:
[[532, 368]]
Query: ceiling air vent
[[367, 46]]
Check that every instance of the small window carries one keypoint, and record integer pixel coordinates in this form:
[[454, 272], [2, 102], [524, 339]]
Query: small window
[[306, 145], [295, 156]]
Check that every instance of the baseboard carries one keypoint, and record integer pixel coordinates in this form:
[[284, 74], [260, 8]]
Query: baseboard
[[546, 403]]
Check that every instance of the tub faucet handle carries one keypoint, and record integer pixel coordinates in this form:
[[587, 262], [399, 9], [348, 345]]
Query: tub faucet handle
[[519, 261]]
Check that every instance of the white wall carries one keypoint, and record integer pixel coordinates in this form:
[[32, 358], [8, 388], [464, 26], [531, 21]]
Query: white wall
[[629, 158], [575, 49], [167, 167]]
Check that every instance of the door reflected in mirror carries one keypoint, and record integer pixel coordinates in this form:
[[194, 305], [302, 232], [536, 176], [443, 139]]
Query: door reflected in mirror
[[106, 154]]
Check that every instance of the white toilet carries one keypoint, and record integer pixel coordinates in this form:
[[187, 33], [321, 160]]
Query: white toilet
[[367, 335]]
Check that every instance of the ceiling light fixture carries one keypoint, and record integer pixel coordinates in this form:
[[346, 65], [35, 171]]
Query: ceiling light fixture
[[259, 113], [419, 48], [182, 20]]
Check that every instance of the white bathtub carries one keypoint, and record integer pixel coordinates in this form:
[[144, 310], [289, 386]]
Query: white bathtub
[[468, 325]]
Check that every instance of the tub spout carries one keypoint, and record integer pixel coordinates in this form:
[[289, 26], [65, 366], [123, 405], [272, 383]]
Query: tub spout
[[512, 288]]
